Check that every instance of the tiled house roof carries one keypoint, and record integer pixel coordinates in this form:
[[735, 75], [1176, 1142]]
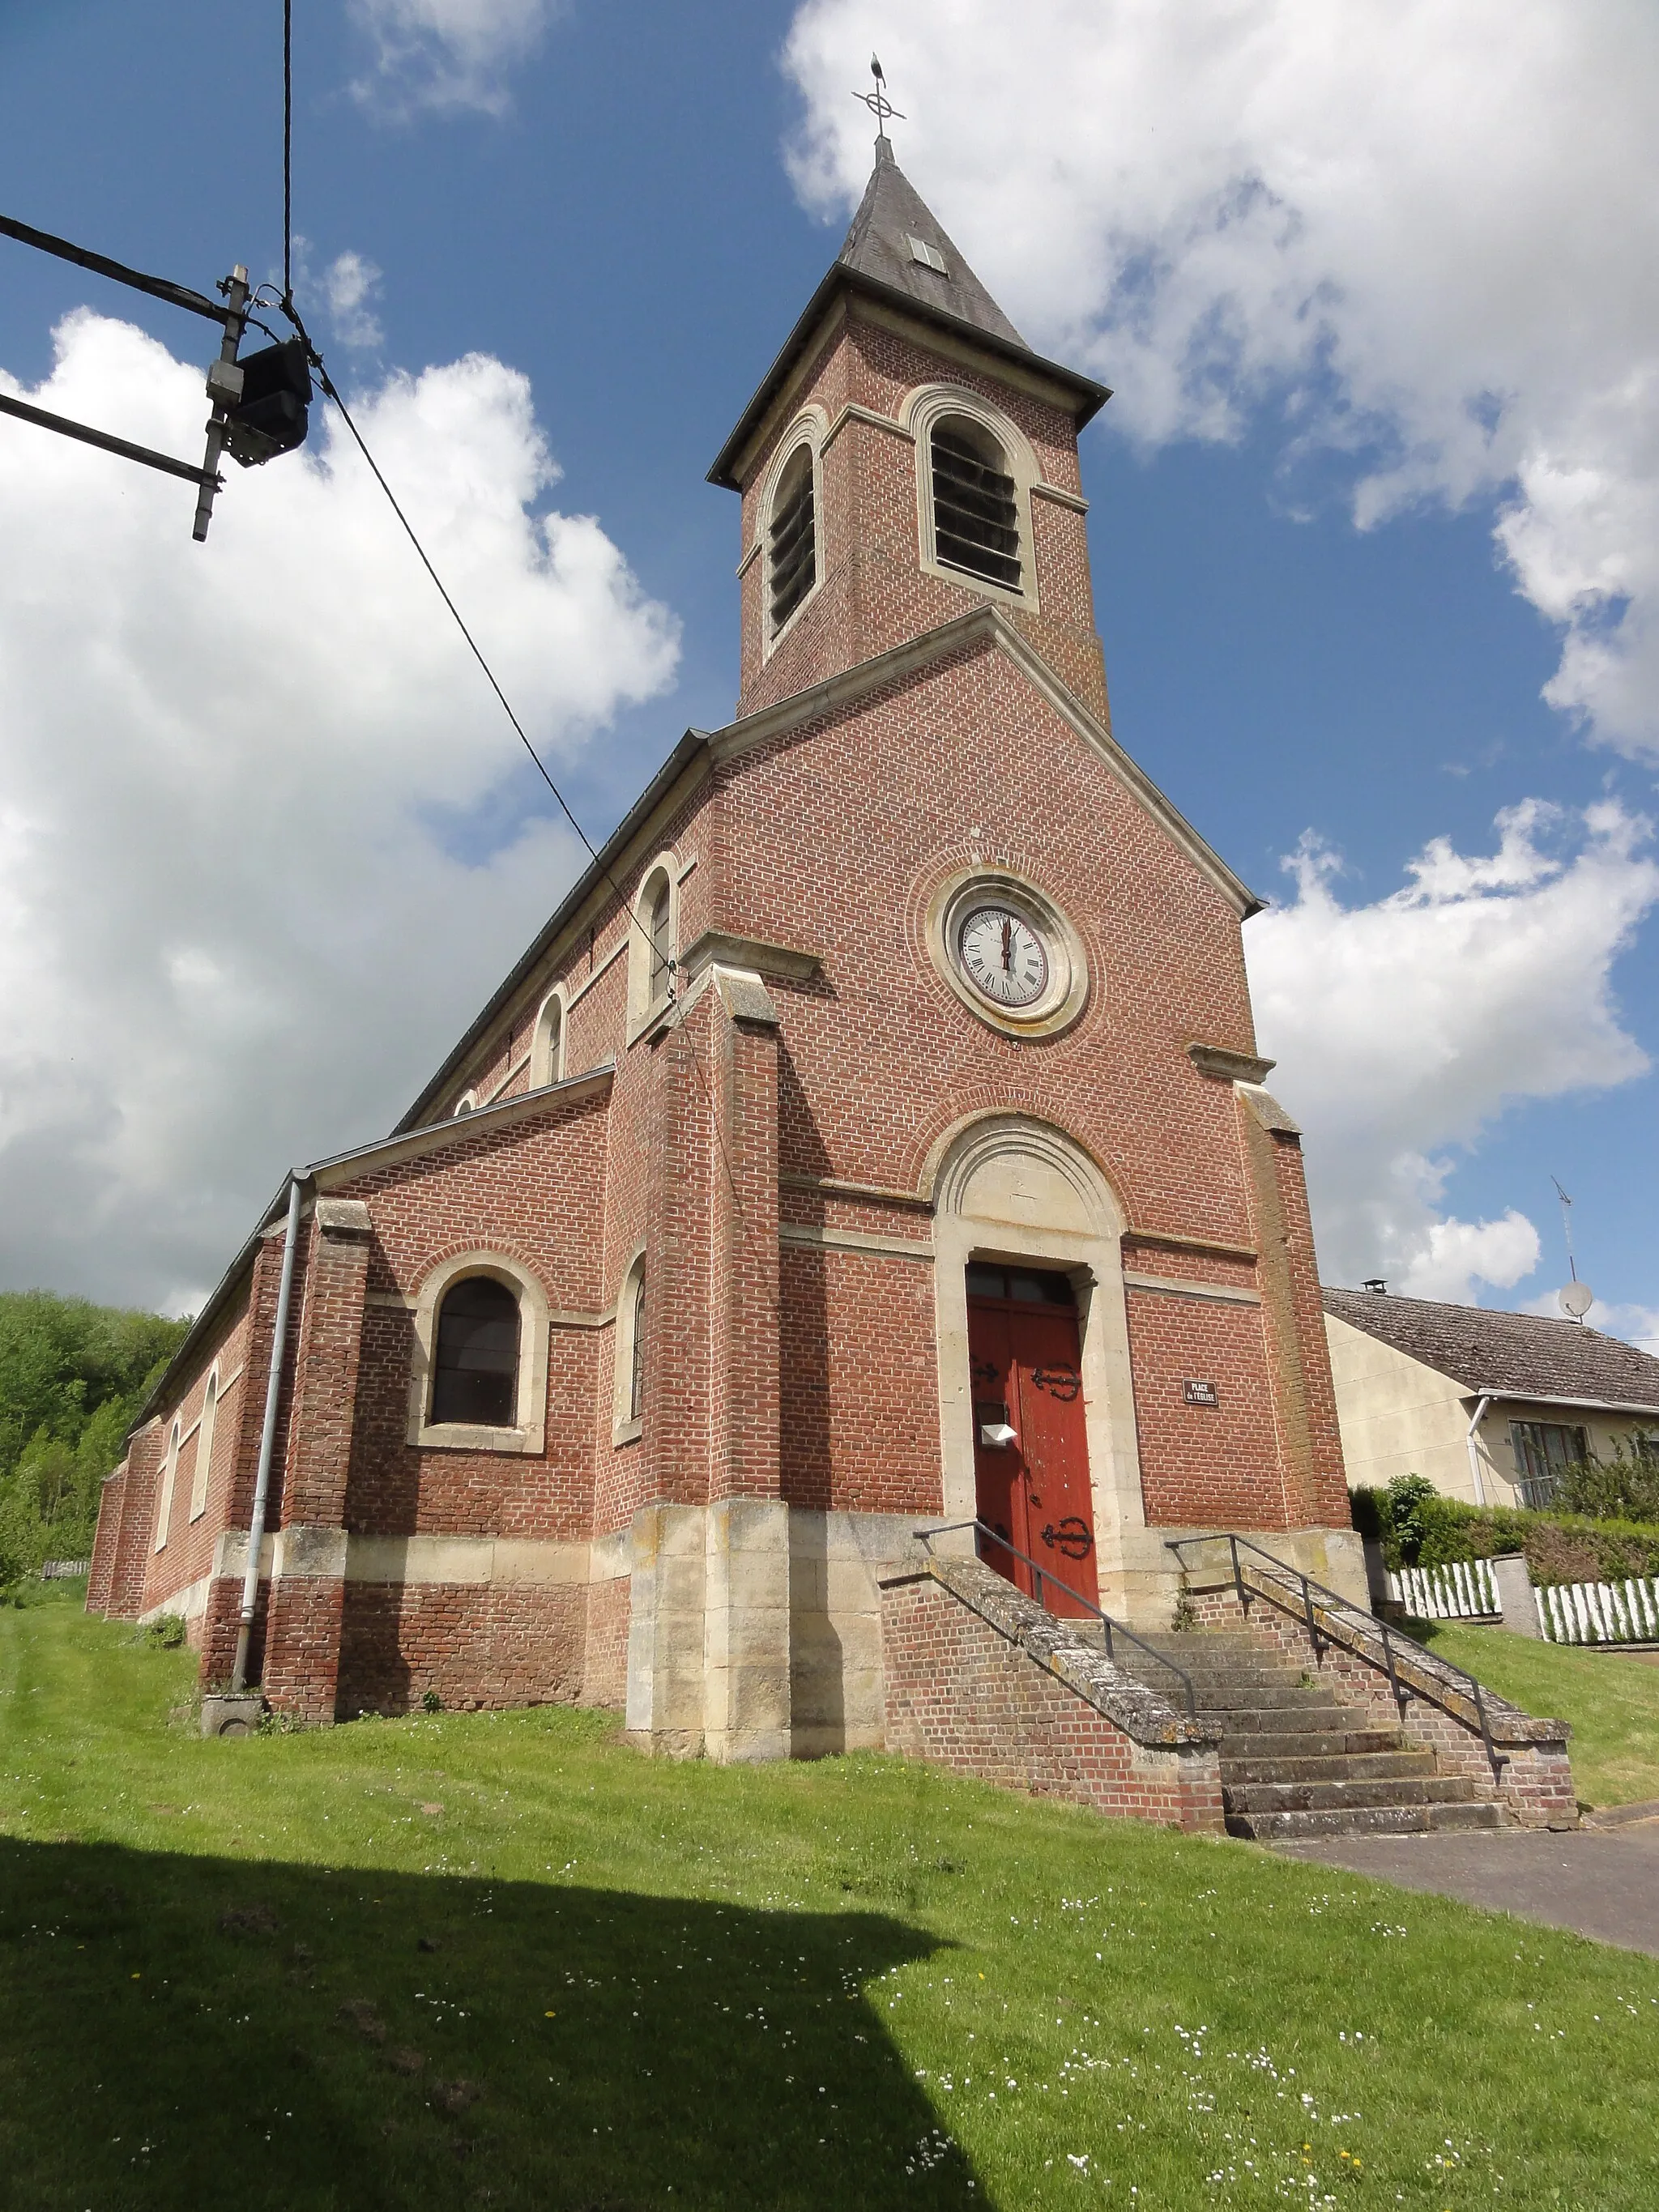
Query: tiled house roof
[[1513, 1355]]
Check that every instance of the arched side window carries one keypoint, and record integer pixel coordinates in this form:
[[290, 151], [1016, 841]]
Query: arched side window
[[478, 1373], [975, 472], [547, 1041], [475, 1373], [636, 1362], [653, 938], [792, 539], [630, 1369], [169, 1476], [198, 1488], [975, 516], [466, 1103]]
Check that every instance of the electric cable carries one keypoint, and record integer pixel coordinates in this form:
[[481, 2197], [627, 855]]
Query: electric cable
[[288, 149], [633, 920]]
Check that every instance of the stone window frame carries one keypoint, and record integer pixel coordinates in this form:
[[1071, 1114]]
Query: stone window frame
[[169, 1476], [810, 428], [925, 407], [1069, 960], [645, 1008], [206, 1421], [626, 1424], [466, 1103], [529, 1433], [547, 1062]]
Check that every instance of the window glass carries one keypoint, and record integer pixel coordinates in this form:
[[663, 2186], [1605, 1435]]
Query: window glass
[[198, 1489], [975, 519], [476, 1374], [636, 1377], [657, 929], [1544, 1450], [1029, 1286]]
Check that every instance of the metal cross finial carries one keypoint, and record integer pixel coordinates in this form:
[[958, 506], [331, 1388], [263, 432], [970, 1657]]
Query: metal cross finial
[[877, 101]]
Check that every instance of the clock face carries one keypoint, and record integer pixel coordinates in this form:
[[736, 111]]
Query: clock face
[[1002, 956]]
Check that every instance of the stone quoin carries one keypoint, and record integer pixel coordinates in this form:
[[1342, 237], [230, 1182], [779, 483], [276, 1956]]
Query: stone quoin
[[874, 1140]]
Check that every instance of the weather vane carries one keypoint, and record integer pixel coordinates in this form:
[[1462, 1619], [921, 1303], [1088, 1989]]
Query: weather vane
[[877, 101]]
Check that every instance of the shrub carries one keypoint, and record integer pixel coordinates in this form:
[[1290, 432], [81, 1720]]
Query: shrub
[[1432, 1531], [1624, 1486]]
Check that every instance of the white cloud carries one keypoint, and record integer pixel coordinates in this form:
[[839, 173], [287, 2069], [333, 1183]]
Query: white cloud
[[448, 55], [349, 284], [1422, 230], [1409, 1024], [233, 926]]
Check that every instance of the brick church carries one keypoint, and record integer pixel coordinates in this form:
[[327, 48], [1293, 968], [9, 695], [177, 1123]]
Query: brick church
[[874, 1139]]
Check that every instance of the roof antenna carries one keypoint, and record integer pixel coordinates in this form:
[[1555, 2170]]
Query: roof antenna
[[1575, 1298], [878, 102]]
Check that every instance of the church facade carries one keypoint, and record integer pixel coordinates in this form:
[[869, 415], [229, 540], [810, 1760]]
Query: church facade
[[874, 1139]]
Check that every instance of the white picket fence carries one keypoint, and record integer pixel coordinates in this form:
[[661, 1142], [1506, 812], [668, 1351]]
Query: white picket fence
[[1465, 1590], [1600, 1612]]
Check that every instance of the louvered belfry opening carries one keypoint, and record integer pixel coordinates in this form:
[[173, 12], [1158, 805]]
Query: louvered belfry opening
[[795, 545], [975, 521]]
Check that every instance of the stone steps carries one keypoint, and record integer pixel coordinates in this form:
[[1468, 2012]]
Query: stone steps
[[1325, 1743], [1333, 1766], [1296, 1761], [1377, 1820]]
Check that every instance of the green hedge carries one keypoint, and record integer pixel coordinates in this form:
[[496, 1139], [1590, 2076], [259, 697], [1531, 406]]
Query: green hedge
[[1419, 1528]]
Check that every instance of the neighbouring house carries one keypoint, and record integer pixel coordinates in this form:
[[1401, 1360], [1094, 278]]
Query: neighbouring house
[[874, 1137], [1491, 1408]]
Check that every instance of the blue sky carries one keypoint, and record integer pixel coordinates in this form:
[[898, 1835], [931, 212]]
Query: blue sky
[[631, 221]]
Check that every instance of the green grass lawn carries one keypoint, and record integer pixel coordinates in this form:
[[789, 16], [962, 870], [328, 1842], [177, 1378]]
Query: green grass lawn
[[1611, 1703], [475, 1960]]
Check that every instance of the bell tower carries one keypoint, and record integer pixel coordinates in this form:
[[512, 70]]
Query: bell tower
[[906, 458]]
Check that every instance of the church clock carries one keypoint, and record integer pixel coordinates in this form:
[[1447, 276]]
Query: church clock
[[1006, 950], [1002, 956]]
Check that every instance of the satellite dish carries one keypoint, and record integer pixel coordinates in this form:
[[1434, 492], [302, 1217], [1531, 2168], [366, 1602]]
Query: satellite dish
[[1575, 1299]]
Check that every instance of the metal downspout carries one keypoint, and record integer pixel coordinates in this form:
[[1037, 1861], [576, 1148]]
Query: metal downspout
[[1475, 1419], [255, 1535]]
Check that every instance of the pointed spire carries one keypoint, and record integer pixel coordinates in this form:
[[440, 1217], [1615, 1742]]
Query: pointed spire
[[893, 222], [898, 253]]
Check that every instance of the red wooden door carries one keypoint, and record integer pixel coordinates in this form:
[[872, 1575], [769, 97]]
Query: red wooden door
[[1034, 1488]]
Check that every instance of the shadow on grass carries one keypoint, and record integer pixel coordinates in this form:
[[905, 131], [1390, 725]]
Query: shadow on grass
[[174, 2027]]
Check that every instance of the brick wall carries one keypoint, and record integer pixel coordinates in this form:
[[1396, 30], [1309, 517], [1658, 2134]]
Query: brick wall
[[964, 1693], [473, 1644]]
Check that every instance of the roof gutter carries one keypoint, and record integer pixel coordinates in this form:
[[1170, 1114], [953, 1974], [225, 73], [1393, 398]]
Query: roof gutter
[[1583, 1404]]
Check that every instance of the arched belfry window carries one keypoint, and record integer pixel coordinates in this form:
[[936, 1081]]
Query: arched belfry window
[[792, 558], [976, 510], [475, 1372]]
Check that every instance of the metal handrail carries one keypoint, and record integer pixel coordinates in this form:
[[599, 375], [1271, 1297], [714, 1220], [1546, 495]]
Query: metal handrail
[[924, 1537], [1401, 1696]]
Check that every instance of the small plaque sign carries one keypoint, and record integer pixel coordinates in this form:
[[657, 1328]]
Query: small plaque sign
[[1200, 1394]]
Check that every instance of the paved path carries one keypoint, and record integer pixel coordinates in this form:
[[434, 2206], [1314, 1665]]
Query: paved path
[[1601, 1883]]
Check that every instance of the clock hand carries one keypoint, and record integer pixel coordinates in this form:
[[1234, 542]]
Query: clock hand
[[1007, 943]]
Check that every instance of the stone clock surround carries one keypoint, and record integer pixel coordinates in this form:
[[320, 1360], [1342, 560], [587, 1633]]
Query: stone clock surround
[[1067, 989]]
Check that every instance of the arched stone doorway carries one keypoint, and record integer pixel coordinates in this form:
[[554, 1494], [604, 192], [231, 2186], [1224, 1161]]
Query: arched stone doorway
[[1010, 1189]]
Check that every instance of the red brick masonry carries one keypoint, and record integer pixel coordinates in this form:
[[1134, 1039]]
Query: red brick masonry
[[980, 1679]]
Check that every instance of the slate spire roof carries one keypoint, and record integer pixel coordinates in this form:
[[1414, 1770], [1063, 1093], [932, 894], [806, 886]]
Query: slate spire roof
[[1512, 1355], [879, 260], [892, 214]]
